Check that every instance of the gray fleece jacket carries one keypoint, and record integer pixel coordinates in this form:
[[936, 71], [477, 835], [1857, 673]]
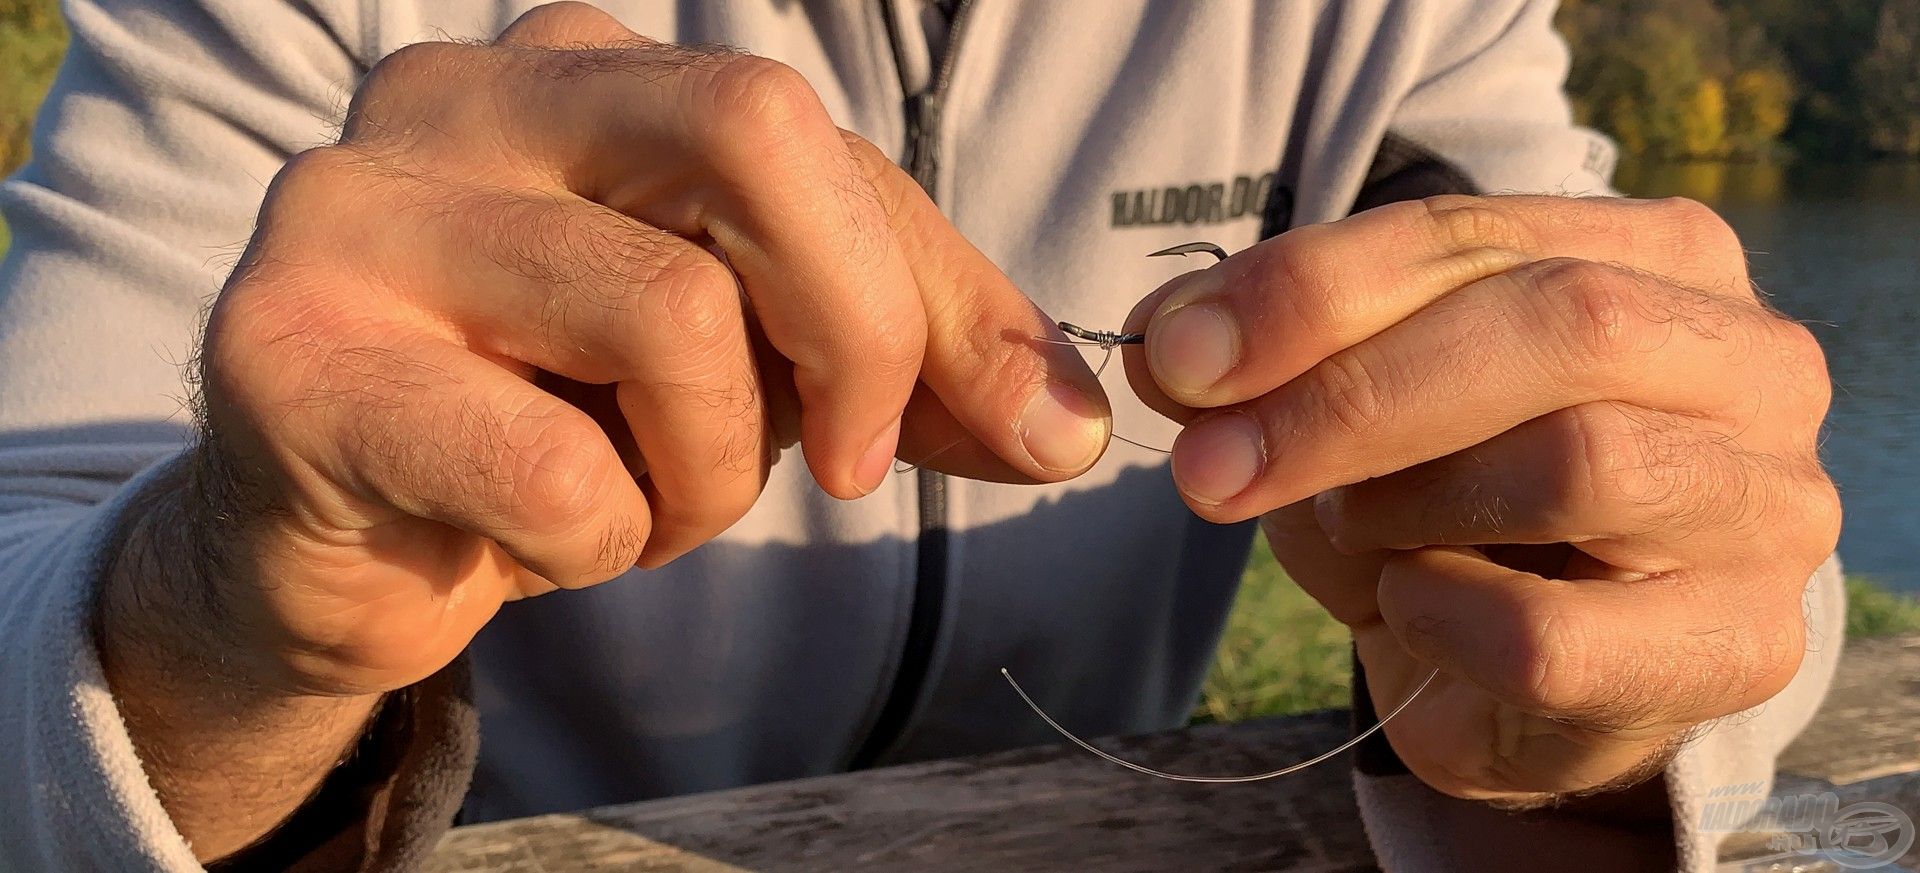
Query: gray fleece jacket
[[1065, 139]]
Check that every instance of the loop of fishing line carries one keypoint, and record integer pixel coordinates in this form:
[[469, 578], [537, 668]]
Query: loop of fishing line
[[1217, 780], [1108, 341]]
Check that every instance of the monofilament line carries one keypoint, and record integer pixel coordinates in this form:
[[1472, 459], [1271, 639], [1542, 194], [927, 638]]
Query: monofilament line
[[1216, 780], [1105, 340]]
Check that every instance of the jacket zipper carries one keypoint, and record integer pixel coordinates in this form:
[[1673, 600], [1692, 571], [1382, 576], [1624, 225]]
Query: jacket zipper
[[923, 111]]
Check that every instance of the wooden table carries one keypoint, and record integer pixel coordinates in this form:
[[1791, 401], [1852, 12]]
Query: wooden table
[[1057, 808]]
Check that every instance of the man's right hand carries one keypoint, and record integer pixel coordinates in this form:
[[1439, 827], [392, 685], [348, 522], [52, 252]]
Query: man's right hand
[[544, 313]]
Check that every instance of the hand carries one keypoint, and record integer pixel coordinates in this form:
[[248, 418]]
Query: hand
[[1554, 447], [544, 313]]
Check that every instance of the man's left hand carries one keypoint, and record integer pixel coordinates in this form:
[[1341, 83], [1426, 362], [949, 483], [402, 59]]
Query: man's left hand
[[1556, 448]]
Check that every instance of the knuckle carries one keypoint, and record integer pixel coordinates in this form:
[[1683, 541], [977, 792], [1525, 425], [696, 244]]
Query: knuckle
[[1801, 346], [977, 331], [1817, 512], [757, 97], [559, 470], [1309, 268], [894, 352], [1351, 393], [1804, 364], [1620, 466], [320, 167], [865, 153], [327, 180], [1568, 668], [1686, 211], [693, 322], [271, 344], [418, 63], [1599, 318], [698, 298], [1827, 514], [415, 74], [557, 18], [241, 325], [1552, 654], [1694, 232], [311, 213], [1745, 662], [1772, 656], [1462, 222]]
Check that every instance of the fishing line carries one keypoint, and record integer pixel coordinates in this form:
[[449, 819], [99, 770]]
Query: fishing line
[[1108, 341], [1217, 780], [901, 466], [1105, 340], [1141, 444]]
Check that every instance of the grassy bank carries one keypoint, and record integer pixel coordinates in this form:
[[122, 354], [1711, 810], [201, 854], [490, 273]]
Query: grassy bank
[[1874, 611], [1281, 654]]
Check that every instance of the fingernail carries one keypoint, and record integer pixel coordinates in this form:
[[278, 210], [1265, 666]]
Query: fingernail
[[1216, 459], [1192, 347], [1326, 509], [1194, 342], [1329, 507], [1062, 429], [873, 466]]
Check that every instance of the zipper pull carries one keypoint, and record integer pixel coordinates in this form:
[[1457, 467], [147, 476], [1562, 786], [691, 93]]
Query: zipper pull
[[923, 125]]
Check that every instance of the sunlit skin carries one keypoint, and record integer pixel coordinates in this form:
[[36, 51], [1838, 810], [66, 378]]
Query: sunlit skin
[[432, 379], [1555, 447], [430, 383]]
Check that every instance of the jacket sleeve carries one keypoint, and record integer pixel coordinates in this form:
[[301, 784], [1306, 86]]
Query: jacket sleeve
[[1488, 115], [151, 154]]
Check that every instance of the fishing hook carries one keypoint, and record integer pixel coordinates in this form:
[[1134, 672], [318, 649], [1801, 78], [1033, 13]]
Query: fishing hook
[[1108, 340], [1105, 340]]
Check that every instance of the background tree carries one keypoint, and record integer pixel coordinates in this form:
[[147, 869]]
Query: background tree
[[31, 40], [1888, 79], [1759, 105]]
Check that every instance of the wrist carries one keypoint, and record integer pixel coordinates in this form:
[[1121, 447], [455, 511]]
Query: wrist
[[230, 755], [161, 625]]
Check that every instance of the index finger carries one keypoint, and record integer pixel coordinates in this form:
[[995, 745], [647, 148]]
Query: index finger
[[1032, 404], [711, 145], [1236, 330]]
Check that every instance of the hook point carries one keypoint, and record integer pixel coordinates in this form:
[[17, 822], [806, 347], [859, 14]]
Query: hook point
[[1192, 248]]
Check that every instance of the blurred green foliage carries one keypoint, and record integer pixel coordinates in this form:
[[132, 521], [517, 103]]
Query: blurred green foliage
[[1719, 79], [32, 37], [1282, 654], [1874, 611]]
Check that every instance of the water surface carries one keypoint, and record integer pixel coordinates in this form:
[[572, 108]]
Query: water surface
[[1839, 247]]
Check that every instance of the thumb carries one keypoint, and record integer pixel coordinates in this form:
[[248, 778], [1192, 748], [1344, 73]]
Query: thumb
[[999, 401]]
